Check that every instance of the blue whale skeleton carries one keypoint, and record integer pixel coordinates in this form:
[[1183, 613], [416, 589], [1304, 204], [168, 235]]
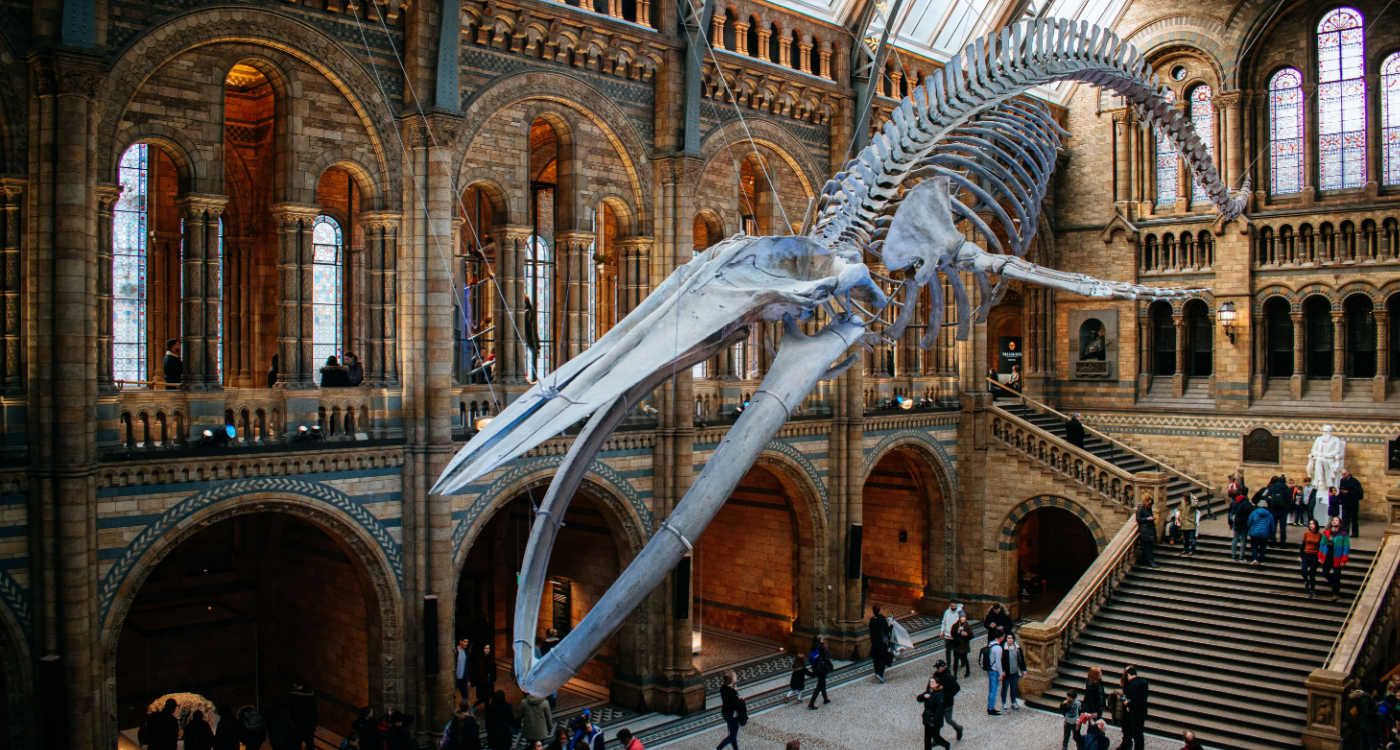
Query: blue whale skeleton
[[966, 147]]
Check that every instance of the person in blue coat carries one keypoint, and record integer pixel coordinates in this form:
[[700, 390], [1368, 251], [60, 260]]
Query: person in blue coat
[[1261, 528]]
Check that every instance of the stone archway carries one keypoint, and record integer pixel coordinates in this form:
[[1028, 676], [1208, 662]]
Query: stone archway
[[1046, 543], [325, 531], [906, 519]]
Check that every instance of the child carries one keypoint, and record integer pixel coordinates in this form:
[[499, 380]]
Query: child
[[1070, 708], [798, 681]]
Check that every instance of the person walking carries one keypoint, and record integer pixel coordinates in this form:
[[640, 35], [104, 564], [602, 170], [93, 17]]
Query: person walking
[[1189, 517], [932, 700], [301, 705], [461, 672], [1307, 556], [962, 644], [1310, 500], [1013, 665], [1350, 491], [535, 718], [198, 735], [732, 709], [1147, 533], [948, 680], [161, 730], [1299, 510], [992, 663], [1074, 431], [950, 618], [1238, 519], [1261, 530], [1095, 700], [998, 620], [1070, 708], [1333, 551], [879, 642], [798, 681], [484, 673], [1135, 706], [1280, 504], [820, 660], [463, 731], [500, 723]]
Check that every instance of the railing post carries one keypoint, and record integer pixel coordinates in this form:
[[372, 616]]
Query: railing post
[[1392, 498], [1041, 643], [1326, 692]]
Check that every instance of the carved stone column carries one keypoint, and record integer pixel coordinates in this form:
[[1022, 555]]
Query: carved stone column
[[106, 199], [1231, 127], [1382, 316], [1339, 348], [1179, 377], [741, 38], [511, 356], [1122, 158], [202, 296], [1295, 383], [380, 354], [636, 264], [573, 258], [295, 368]]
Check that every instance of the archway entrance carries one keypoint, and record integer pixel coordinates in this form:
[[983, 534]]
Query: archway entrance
[[1053, 549], [587, 558], [244, 608], [747, 573], [900, 546]]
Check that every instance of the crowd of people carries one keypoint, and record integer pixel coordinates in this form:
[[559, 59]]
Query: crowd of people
[[1262, 521]]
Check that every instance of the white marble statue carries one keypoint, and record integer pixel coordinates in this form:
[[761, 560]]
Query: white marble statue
[[1326, 458], [967, 151]]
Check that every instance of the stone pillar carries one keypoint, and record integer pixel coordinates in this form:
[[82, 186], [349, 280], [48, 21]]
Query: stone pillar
[[511, 356], [1260, 369], [741, 38], [106, 199], [1232, 129], [635, 269], [717, 30], [785, 51], [1179, 378], [294, 366], [1144, 353], [573, 256], [1295, 383], [1311, 176], [764, 35], [1382, 316], [1122, 158], [380, 230], [202, 298], [1339, 348], [804, 58]]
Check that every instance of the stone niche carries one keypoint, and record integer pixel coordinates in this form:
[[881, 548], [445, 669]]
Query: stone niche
[[1093, 344]]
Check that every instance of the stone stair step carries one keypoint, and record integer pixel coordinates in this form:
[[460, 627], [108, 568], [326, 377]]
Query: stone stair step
[[1150, 613]]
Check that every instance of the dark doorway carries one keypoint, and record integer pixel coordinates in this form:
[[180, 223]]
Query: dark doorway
[[1054, 548]]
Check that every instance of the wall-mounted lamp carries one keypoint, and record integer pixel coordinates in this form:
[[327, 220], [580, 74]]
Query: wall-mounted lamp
[[1227, 319]]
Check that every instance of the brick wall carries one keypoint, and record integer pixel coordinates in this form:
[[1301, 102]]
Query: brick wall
[[895, 500]]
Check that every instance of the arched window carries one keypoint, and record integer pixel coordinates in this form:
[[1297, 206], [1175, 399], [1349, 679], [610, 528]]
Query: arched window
[[1168, 167], [130, 234], [1200, 339], [539, 275], [1317, 334], [1390, 119], [1278, 330], [1163, 339], [1286, 132], [327, 283], [1361, 336], [1203, 119], [1341, 100]]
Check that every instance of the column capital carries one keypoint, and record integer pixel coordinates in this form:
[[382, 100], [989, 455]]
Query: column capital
[[574, 237], [515, 232], [196, 204], [13, 187], [637, 243], [107, 194], [292, 213], [1228, 98], [380, 219]]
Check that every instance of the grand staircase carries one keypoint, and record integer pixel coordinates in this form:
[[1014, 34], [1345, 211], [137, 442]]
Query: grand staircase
[[1225, 646], [1119, 455]]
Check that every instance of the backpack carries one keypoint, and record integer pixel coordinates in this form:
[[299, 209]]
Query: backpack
[[741, 715]]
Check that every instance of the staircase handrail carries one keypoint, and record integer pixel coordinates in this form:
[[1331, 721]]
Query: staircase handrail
[[1123, 494], [1376, 587], [1161, 464], [1046, 642], [1357, 648]]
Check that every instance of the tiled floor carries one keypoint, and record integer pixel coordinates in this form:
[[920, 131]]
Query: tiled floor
[[866, 714]]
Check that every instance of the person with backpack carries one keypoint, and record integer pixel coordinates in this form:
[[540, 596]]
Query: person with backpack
[[932, 698], [462, 731], [822, 667], [1261, 530], [732, 709], [948, 680], [1070, 708], [990, 658], [1280, 500], [1332, 553], [536, 720], [1237, 516]]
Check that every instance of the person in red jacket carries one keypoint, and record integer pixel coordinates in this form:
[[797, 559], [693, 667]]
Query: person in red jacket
[[629, 742]]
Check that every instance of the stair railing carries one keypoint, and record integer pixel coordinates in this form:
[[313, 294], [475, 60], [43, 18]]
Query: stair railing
[[1365, 644], [1161, 464], [1045, 643], [1109, 481]]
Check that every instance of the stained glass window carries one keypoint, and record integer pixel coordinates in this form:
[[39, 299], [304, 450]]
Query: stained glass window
[[1168, 166], [327, 282], [1203, 119], [1341, 100], [129, 242], [1390, 119], [1286, 132]]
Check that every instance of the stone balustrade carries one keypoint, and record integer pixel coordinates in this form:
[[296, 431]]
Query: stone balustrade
[[1109, 482]]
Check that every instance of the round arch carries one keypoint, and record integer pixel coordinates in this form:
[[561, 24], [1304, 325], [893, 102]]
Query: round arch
[[770, 135], [1006, 536], [359, 547], [931, 527], [566, 93], [213, 26], [191, 168], [1052, 543], [364, 180]]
